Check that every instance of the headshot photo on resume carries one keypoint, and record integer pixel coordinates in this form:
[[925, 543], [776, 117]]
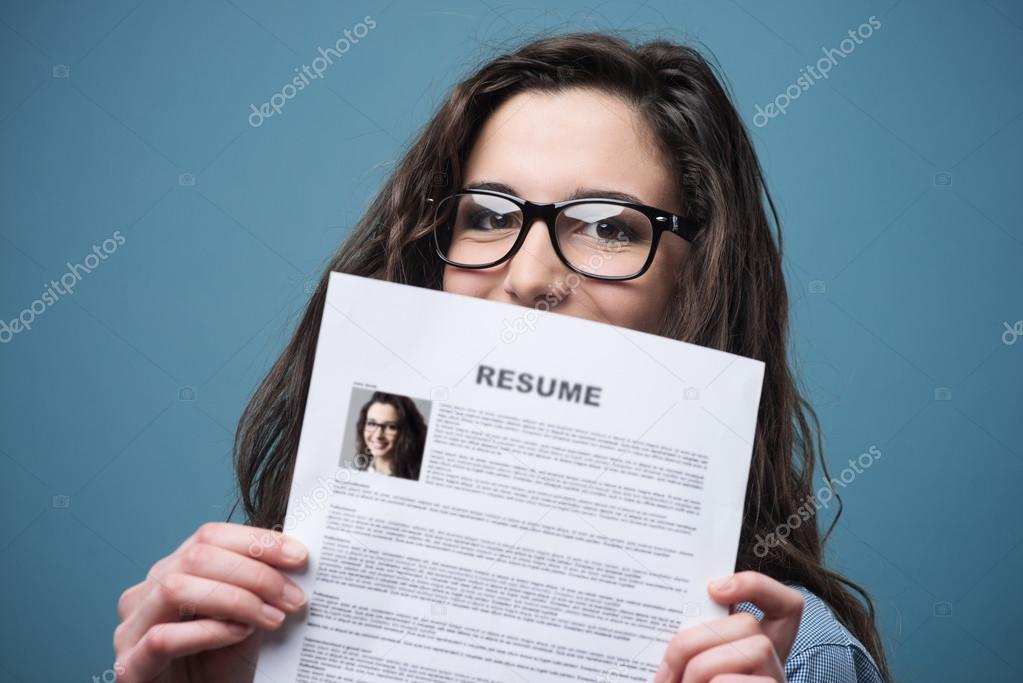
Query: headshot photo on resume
[[388, 435]]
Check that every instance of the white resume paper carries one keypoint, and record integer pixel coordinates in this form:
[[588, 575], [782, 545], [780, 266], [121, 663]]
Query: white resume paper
[[577, 487]]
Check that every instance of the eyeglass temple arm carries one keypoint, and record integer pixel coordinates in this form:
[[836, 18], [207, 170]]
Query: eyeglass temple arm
[[684, 227]]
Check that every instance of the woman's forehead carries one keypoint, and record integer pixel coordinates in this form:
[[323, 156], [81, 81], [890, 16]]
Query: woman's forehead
[[382, 410], [546, 144]]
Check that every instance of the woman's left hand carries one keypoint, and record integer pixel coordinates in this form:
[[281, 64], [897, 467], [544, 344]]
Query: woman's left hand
[[737, 648]]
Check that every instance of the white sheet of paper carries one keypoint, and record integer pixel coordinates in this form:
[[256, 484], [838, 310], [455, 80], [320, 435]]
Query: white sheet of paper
[[547, 538]]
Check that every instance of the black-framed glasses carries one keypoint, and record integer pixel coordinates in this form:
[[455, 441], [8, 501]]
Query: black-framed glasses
[[607, 239], [387, 427]]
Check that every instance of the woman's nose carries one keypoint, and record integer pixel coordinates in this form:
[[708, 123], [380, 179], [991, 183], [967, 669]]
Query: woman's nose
[[535, 269]]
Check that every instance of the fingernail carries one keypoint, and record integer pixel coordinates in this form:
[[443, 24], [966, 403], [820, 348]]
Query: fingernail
[[237, 629], [662, 673], [293, 550], [272, 613], [723, 583], [293, 595]]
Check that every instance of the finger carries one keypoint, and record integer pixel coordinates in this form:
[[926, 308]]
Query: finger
[[751, 655], [165, 642], [266, 545], [131, 597], [782, 606], [742, 678], [157, 567], [688, 643], [772, 597], [219, 564], [180, 595]]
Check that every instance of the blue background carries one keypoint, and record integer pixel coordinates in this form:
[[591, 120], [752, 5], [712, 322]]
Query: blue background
[[897, 180]]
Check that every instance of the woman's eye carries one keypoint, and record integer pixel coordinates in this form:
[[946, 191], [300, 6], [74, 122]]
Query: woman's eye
[[608, 231], [488, 220]]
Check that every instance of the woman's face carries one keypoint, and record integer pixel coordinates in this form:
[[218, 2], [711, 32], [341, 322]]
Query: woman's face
[[545, 147], [381, 429]]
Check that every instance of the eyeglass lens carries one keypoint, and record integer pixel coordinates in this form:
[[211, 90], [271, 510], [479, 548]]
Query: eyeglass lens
[[389, 427]]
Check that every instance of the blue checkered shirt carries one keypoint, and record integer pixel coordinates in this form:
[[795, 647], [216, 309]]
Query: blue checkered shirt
[[824, 651]]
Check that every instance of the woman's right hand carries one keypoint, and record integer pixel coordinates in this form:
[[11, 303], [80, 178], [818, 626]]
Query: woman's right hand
[[200, 612]]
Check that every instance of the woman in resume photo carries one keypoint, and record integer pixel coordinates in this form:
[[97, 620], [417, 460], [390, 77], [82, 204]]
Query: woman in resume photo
[[599, 178], [390, 434]]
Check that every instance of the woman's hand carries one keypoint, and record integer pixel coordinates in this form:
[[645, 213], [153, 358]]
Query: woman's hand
[[738, 648], [199, 613]]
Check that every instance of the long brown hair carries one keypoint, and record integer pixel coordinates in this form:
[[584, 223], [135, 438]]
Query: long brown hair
[[730, 295], [411, 437]]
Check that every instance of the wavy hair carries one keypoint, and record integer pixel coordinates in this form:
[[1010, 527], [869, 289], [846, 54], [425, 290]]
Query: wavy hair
[[730, 295]]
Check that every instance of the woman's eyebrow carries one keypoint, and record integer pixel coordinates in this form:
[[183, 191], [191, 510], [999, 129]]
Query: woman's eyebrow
[[580, 192], [491, 185]]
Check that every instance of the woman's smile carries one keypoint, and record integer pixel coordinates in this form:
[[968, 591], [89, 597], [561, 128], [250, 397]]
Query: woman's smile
[[379, 446]]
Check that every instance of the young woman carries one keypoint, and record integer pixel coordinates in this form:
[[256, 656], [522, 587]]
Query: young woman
[[389, 436], [573, 116]]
